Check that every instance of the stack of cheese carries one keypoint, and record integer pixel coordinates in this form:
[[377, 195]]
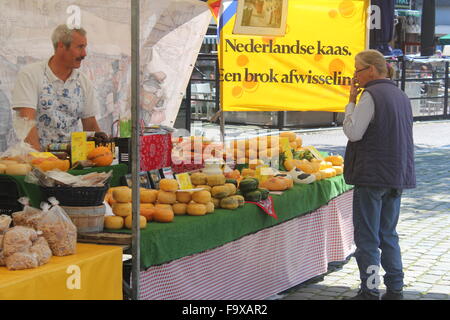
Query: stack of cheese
[[223, 191], [254, 150], [120, 200], [327, 168]]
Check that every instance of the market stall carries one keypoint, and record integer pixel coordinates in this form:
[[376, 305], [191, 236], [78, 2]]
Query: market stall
[[309, 199]]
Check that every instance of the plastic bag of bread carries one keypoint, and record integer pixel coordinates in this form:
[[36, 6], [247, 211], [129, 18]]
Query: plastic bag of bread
[[42, 250], [5, 221], [22, 260], [29, 216], [57, 229], [2, 257], [18, 239]]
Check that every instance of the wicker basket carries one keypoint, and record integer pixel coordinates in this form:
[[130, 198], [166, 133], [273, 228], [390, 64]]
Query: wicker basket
[[77, 196]]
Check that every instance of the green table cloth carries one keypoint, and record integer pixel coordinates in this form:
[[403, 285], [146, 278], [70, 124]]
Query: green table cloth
[[187, 235], [33, 192]]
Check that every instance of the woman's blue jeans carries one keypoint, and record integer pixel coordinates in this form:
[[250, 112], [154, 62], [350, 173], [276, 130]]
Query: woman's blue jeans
[[375, 215]]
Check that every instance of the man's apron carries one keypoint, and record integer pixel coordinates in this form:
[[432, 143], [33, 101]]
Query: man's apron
[[59, 108]]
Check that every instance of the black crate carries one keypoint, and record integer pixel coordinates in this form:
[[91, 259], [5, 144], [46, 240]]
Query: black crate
[[9, 194]]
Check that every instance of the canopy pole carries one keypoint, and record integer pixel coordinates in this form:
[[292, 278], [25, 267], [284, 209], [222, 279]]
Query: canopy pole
[[135, 147]]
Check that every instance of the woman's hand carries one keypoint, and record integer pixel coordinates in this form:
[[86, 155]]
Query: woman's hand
[[355, 90]]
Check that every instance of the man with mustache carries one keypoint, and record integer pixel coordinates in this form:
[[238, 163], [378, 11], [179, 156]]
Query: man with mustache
[[55, 94]]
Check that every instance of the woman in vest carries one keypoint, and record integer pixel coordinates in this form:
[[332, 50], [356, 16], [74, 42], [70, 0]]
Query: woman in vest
[[379, 162]]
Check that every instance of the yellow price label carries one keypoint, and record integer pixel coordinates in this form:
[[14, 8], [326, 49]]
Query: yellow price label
[[184, 181]]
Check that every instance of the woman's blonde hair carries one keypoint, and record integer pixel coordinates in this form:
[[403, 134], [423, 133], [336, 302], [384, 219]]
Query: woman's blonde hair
[[375, 58]]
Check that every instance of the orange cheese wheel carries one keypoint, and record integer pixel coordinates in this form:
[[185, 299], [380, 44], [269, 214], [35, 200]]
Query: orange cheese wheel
[[163, 215]]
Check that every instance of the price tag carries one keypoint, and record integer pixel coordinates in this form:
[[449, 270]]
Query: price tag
[[79, 146], [184, 181]]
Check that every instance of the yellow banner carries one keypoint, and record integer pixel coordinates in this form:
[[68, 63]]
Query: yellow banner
[[307, 69]]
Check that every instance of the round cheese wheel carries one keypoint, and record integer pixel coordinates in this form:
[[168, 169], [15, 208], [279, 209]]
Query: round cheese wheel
[[168, 185], [196, 209], [201, 196], [122, 209], [147, 213], [17, 169], [210, 207], [179, 208], [163, 206], [122, 195], [167, 197], [129, 222], [114, 222], [148, 195], [146, 205], [183, 197], [163, 215]]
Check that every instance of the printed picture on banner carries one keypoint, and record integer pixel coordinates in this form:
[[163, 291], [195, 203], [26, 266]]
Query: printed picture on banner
[[261, 17]]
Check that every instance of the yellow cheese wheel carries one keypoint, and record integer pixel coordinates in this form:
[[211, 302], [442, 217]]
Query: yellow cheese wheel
[[168, 185], [163, 215], [17, 169], [201, 196], [122, 209], [183, 197], [167, 197], [2, 168], [149, 195], [129, 222], [114, 222], [339, 170], [196, 209], [210, 207], [122, 195], [179, 208]]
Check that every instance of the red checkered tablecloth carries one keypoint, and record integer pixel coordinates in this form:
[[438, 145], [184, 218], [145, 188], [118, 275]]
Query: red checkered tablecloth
[[259, 265]]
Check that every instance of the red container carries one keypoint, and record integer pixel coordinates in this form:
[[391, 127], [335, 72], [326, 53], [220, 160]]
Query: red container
[[156, 151]]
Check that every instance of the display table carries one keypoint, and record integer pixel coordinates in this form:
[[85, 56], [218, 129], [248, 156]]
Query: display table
[[261, 264], [187, 235], [93, 273]]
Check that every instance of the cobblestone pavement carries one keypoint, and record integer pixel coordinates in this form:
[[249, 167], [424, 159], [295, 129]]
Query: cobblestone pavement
[[424, 225]]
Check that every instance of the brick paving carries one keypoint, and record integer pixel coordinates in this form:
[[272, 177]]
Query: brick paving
[[423, 228]]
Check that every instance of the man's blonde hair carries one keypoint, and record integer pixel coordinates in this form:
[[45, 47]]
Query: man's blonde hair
[[64, 34], [375, 58]]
